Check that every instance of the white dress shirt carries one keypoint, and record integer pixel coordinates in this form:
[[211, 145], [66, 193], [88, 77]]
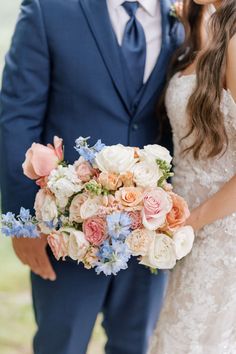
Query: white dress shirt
[[149, 15]]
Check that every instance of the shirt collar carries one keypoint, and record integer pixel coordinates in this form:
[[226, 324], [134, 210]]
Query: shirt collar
[[149, 5]]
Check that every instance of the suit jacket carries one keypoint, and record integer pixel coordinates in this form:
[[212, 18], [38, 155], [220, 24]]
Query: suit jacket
[[63, 76]]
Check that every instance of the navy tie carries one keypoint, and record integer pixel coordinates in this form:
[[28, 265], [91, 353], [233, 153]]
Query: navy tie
[[134, 46]]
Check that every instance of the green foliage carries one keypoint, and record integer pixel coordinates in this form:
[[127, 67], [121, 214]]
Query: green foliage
[[166, 170]]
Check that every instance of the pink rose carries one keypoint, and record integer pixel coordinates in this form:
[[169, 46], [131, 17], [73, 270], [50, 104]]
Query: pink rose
[[95, 230], [157, 204], [84, 170], [136, 220], [41, 160], [178, 214], [58, 244]]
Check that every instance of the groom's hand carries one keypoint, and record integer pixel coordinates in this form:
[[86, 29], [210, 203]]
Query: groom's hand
[[32, 252]]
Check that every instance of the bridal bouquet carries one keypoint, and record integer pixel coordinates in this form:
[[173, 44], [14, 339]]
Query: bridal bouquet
[[113, 203]]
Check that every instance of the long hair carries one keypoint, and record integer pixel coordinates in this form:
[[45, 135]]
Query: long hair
[[206, 118]]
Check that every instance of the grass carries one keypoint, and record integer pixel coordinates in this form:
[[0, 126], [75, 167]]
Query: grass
[[16, 318]]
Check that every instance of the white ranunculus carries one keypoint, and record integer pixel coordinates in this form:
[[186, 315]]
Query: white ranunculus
[[156, 152], [161, 254], [116, 158], [90, 207], [77, 243], [183, 240], [63, 183], [146, 174]]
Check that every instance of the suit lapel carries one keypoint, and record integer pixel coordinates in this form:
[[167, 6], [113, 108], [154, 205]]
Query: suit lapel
[[151, 86], [98, 19]]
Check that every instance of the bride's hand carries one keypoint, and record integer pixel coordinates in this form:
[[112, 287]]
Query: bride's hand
[[194, 220]]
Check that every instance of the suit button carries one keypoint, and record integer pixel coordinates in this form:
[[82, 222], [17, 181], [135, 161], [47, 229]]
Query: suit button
[[135, 127]]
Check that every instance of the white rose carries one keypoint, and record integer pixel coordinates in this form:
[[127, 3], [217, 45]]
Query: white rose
[[156, 152], [116, 158], [161, 254], [146, 174], [183, 240], [90, 207], [49, 210], [77, 245]]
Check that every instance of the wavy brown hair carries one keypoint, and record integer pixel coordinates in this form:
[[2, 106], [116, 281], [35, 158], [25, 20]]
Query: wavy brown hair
[[206, 118]]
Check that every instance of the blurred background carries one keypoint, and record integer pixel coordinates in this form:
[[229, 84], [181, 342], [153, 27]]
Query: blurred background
[[16, 318]]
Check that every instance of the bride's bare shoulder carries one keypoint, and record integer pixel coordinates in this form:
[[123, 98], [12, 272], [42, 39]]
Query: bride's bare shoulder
[[231, 67]]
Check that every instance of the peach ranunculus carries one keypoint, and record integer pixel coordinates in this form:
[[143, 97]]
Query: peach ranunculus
[[109, 180], [157, 204], [130, 197], [91, 258], [95, 230], [139, 241], [84, 170], [136, 220], [59, 244], [178, 214], [40, 160], [74, 210]]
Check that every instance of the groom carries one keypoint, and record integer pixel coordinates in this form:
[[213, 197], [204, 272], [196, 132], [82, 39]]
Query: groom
[[90, 68]]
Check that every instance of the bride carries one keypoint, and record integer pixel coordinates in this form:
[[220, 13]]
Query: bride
[[199, 315]]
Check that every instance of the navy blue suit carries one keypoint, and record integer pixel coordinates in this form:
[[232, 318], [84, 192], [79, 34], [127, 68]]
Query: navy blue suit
[[64, 76]]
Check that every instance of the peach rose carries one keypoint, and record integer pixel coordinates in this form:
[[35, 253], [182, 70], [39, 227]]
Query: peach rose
[[91, 258], [178, 214], [139, 241], [58, 244], [84, 170], [136, 220], [75, 207], [129, 196], [157, 204], [95, 230], [110, 180], [41, 160]]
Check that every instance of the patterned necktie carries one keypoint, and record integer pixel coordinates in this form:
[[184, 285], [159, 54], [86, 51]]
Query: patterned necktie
[[134, 46]]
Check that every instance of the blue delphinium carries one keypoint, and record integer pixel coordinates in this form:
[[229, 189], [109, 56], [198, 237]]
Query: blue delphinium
[[113, 257], [118, 225], [88, 153], [24, 225]]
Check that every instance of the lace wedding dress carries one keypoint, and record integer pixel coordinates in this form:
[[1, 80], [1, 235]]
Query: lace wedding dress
[[199, 314]]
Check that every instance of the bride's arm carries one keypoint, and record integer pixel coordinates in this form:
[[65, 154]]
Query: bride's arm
[[231, 67], [223, 203], [220, 205]]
